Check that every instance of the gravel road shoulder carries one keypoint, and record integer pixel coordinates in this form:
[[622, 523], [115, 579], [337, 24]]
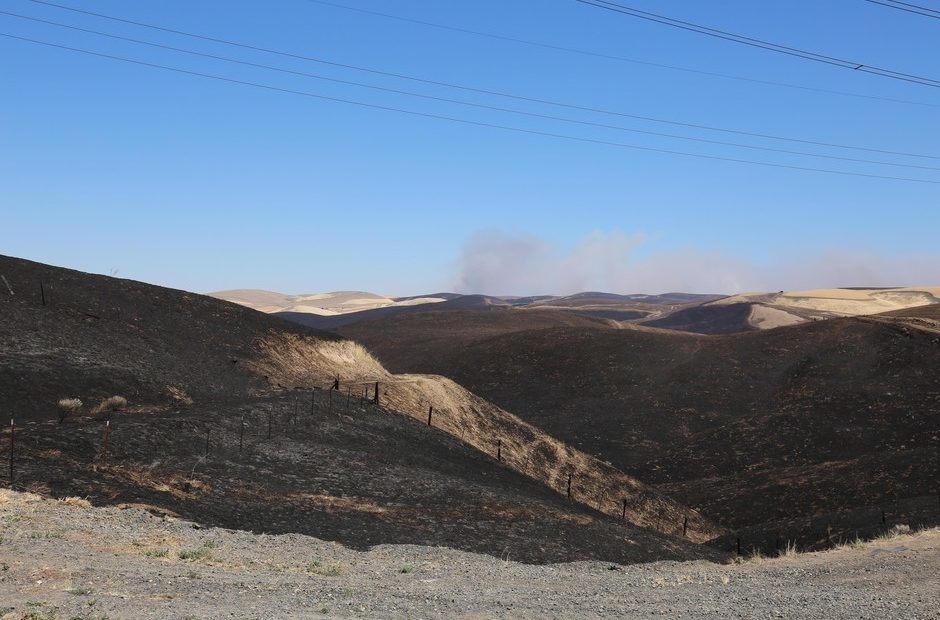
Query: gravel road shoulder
[[63, 559]]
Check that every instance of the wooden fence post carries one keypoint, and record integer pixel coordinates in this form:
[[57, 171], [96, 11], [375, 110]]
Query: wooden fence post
[[104, 442], [624, 514], [12, 445], [377, 394], [430, 411], [685, 526], [569, 485], [42, 293], [738, 541]]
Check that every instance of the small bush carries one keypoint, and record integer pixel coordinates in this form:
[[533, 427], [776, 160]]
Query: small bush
[[67, 406], [179, 395], [77, 502], [112, 403], [314, 568], [200, 553], [790, 550]]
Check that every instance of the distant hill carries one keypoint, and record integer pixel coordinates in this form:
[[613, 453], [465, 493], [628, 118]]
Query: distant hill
[[324, 304], [703, 314]]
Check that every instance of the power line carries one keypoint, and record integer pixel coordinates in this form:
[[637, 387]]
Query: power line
[[457, 101], [481, 90], [583, 52], [759, 43], [462, 120], [910, 8]]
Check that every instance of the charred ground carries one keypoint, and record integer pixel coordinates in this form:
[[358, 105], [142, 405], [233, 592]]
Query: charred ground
[[785, 430], [334, 466]]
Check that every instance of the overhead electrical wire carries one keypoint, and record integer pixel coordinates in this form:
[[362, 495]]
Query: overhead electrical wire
[[759, 43], [583, 52], [460, 102], [908, 7], [482, 90], [463, 121]]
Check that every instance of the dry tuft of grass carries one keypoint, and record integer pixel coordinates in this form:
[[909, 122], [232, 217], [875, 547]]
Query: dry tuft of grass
[[77, 502], [791, 550], [179, 395], [112, 403], [69, 405], [314, 568]]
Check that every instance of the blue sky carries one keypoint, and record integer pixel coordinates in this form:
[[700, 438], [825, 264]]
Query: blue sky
[[205, 185]]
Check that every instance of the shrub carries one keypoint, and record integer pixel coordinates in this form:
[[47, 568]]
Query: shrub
[[67, 406], [201, 553], [314, 568], [179, 395], [112, 403]]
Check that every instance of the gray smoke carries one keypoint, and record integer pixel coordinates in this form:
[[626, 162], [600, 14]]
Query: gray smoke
[[496, 263]]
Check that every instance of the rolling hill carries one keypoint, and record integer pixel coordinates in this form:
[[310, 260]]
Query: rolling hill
[[231, 422], [830, 420]]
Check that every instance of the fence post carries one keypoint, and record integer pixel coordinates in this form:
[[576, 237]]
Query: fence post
[[569, 485], [42, 293], [499, 450], [12, 444], [685, 526], [738, 539], [104, 443], [241, 435], [884, 519], [430, 411], [377, 394]]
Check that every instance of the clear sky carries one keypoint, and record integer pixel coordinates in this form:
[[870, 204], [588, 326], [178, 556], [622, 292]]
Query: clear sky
[[206, 185]]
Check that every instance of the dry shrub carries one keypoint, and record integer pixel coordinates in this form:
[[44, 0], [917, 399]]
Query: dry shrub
[[69, 405], [112, 403], [77, 502], [179, 395]]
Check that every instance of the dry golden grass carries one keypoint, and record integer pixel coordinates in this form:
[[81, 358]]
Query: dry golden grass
[[179, 395], [77, 502], [69, 405], [112, 403]]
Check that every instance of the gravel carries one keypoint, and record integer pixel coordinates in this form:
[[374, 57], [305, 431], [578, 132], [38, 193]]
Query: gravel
[[66, 560]]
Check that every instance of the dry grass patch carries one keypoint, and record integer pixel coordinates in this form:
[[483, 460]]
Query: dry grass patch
[[112, 403], [76, 502], [179, 395], [67, 406]]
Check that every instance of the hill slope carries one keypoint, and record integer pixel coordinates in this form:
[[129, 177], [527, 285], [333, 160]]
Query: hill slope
[[753, 429], [333, 465]]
